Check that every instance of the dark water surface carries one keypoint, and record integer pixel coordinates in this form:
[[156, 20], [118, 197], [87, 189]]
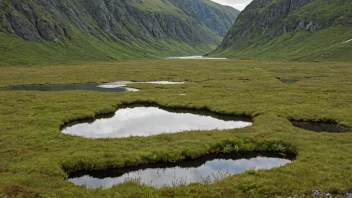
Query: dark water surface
[[321, 127], [205, 169], [194, 58], [288, 80], [118, 86], [88, 87], [150, 120]]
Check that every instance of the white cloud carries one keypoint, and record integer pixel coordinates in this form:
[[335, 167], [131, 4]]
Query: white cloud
[[146, 121], [238, 4]]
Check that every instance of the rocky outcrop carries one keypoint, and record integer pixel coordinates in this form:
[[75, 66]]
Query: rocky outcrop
[[53, 20], [217, 18]]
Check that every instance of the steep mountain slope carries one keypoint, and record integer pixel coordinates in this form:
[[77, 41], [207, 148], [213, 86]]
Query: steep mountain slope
[[109, 29], [217, 18], [291, 30]]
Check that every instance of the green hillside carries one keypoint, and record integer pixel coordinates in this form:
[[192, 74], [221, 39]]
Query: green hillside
[[307, 30], [82, 48]]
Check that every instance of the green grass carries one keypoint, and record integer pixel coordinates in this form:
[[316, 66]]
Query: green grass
[[160, 6], [339, 10], [33, 151], [83, 48], [325, 45], [266, 40]]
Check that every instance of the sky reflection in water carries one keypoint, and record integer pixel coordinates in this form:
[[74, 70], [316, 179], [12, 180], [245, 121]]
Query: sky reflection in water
[[178, 175], [146, 121], [70, 87]]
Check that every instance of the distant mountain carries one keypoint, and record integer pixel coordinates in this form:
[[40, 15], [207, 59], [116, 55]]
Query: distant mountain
[[219, 19], [109, 29], [307, 30]]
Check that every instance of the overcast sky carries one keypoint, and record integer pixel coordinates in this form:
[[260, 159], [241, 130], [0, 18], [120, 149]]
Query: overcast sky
[[238, 4]]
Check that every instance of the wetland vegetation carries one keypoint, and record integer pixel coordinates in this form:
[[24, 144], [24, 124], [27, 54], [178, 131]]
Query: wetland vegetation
[[72, 72], [37, 158]]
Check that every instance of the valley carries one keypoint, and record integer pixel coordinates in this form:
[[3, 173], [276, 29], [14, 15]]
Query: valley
[[175, 98], [35, 153]]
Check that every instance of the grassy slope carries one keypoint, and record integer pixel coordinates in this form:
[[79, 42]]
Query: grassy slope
[[159, 6], [83, 48], [33, 150], [325, 45]]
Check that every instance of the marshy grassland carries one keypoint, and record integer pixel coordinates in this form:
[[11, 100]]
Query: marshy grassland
[[35, 157]]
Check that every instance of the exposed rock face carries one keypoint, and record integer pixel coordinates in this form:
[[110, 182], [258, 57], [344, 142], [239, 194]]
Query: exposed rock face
[[53, 20], [22, 27], [265, 20], [219, 19]]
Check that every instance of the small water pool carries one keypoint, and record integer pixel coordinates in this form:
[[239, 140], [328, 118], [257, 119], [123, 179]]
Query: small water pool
[[118, 86], [205, 169], [321, 127], [69, 87], [288, 80], [152, 120], [193, 58]]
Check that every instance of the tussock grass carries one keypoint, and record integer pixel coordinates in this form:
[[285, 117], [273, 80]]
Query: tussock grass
[[34, 153]]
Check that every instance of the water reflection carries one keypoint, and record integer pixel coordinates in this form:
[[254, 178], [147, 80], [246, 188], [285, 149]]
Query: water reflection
[[125, 83], [118, 86], [146, 121], [193, 58], [321, 127], [70, 87], [288, 80], [204, 170]]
